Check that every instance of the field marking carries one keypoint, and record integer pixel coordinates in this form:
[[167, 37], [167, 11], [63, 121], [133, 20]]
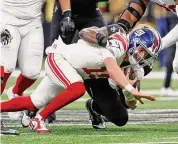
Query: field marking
[[166, 138]]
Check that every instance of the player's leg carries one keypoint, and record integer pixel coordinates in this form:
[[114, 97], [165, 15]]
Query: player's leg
[[30, 57], [63, 75], [9, 54], [38, 99], [175, 62], [7, 131], [2, 73], [106, 102]]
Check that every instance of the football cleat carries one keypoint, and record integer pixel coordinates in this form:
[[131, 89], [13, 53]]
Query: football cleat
[[51, 118], [13, 115], [38, 125], [26, 117], [95, 118], [5, 131], [167, 92]]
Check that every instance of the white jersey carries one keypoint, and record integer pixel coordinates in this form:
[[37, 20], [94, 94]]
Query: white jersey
[[88, 59], [169, 5], [21, 11]]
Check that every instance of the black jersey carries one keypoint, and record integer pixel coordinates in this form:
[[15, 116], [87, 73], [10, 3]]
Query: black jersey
[[84, 7]]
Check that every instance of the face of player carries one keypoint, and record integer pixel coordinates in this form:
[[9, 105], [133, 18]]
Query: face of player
[[141, 53], [141, 56]]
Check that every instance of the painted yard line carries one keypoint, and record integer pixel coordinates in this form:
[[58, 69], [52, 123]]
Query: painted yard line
[[152, 75], [169, 138]]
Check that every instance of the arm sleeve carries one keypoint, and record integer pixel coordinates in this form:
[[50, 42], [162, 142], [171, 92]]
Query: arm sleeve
[[171, 38]]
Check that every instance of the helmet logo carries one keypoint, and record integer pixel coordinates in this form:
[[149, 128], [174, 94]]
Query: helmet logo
[[139, 32]]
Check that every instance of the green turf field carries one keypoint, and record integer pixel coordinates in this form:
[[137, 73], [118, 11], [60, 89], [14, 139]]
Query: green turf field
[[83, 133], [167, 133]]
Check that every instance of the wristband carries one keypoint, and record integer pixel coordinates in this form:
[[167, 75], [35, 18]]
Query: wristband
[[129, 88]]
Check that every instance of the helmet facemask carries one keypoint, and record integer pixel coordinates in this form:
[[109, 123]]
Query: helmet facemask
[[139, 56]]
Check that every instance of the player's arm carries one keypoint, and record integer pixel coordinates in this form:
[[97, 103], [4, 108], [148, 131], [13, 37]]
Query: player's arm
[[171, 38], [66, 24], [94, 35], [176, 2], [65, 5], [132, 14], [99, 36], [120, 79], [116, 74]]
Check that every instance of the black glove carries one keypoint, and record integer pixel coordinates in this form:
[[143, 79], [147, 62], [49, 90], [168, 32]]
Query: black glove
[[67, 24], [5, 37], [102, 39]]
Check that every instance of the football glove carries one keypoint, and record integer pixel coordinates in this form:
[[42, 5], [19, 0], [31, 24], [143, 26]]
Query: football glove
[[67, 24], [102, 39], [6, 37]]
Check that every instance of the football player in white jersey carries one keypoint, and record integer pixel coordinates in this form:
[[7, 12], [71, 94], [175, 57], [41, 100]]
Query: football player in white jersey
[[22, 42], [94, 56], [172, 37]]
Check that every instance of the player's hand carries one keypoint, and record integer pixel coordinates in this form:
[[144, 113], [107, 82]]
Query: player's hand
[[5, 37], [132, 104], [132, 99], [138, 96], [102, 39], [67, 24]]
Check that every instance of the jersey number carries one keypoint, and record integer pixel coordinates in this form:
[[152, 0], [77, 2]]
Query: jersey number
[[96, 73]]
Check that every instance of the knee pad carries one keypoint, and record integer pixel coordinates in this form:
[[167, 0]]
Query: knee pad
[[121, 121], [9, 69], [31, 73]]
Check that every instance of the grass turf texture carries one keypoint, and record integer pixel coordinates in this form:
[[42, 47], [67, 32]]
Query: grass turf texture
[[86, 135]]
